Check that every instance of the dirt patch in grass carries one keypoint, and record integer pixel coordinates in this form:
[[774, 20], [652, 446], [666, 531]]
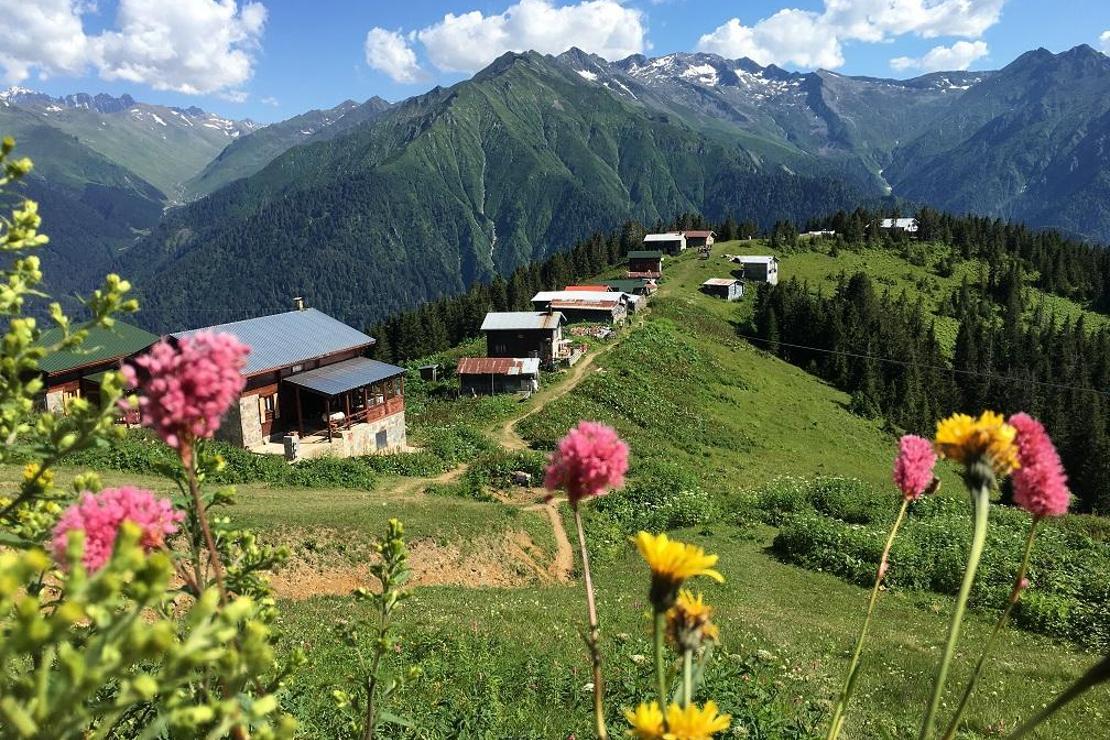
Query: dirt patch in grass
[[510, 561]]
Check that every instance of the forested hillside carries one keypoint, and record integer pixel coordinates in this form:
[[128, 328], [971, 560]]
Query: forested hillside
[[446, 189]]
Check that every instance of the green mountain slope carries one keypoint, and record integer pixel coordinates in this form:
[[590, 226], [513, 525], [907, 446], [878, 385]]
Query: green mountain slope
[[445, 189], [1027, 144], [249, 154]]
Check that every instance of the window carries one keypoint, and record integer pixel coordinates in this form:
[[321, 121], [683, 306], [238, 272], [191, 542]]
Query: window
[[268, 408]]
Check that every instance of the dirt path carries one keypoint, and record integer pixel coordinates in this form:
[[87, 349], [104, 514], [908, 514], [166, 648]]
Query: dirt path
[[562, 567]]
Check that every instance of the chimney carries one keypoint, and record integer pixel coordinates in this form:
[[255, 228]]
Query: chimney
[[298, 304]]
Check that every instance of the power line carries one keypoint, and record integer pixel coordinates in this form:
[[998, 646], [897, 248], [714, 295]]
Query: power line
[[942, 368]]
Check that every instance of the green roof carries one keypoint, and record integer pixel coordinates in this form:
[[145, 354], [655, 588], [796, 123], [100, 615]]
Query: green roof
[[101, 345], [626, 286], [645, 254]]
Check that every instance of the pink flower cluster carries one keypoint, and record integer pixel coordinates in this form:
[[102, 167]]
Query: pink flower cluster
[[589, 460], [1040, 484], [913, 468], [99, 516], [186, 389]]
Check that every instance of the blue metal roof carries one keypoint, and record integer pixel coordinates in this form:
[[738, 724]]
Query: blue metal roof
[[289, 338], [331, 380]]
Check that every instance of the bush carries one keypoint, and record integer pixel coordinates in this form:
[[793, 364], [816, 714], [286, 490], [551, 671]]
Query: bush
[[663, 496], [1069, 597]]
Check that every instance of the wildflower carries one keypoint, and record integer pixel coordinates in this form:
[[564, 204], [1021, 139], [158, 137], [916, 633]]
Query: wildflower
[[672, 563], [913, 468], [186, 389], [100, 515], [692, 723], [646, 721], [688, 622], [966, 440], [589, 460], [1040, 485]]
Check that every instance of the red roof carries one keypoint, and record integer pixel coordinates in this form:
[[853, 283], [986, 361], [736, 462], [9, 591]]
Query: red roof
[[588, 288], [605, 305], [493, 366], [701, 234], [650, 275]]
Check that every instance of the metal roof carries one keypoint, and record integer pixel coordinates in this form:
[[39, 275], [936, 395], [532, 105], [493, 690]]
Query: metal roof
[[721, 281], [645, 254], [663, 237], [587, 288], [498, 366], [101, 345], [331, 380], [289, 338], [545, 296], [585, 305], [629, 286], [756, 259], [700, 234], [520, 320]]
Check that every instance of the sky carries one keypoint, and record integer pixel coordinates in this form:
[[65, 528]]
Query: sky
[[272, 59]]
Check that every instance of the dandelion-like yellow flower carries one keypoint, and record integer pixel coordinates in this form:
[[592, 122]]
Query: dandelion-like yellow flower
[[672, 563], [688, 624], [693, 723], [646, 721], [965, 439]]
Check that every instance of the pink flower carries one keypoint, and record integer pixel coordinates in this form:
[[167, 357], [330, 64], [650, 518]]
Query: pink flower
[[913, 468], [186, 389], [1040, 484], [590, 459], [99, 516]]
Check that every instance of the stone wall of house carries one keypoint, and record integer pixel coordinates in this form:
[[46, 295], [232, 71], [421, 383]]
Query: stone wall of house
[[55, 402], [362, 439], [240, 425]]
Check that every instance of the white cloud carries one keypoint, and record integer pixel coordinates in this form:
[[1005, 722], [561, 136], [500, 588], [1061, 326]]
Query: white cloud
[[44, 36], [469, 41], [815, 39], [959, 55], [1104, 42], [270, 100], [389, 52], [189, 46]]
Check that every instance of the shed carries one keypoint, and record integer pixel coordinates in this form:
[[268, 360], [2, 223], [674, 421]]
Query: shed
[[607, 307], [730, 289], [645, 264], [633, 286], [490, 375], [759, 268], [670, 242], [700, 238]]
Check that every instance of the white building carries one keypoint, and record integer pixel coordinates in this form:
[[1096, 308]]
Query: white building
[[759, 268], [908, 225]]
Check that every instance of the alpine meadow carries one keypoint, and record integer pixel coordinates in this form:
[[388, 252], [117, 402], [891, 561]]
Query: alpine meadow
[[616, 368]]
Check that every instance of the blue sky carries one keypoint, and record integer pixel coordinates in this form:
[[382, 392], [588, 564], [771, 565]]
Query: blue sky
[[270, 59]]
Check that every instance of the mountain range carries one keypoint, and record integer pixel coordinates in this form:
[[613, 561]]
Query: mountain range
[[369, 208]]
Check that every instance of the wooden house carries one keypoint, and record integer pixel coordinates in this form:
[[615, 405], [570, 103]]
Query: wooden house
[[607, 307], [759, 268], [307, 373], [489, 375], [730, 289], [645, 264], [696, 239], [671, 242], [525, 334], [77, 373], [644, 287]]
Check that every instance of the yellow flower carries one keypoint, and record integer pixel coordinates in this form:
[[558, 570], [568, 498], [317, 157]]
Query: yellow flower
[[672, 563], [646, 721], [688, 624], [692, 723], [965, 439]]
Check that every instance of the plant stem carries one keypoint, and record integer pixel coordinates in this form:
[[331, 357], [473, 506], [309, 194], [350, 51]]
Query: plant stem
[[660, 667], [188, 460], [849, 679], [687, 677], [980, 478], [594, 634], [1098, 673], [1015, 596]]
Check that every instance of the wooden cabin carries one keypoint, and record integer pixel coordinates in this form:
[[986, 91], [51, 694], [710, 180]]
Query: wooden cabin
[[481, 376], [730, 289], [515, 334], [77, 373], [607, 307], [696, 239], [643, 287], [307, 374], [645, 264], [671, 243]]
